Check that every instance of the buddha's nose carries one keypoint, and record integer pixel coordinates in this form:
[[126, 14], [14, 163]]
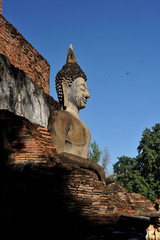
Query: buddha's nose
[[87, 94]]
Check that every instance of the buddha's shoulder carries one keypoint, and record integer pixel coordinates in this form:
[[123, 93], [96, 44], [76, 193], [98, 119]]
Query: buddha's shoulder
[[61, 115]]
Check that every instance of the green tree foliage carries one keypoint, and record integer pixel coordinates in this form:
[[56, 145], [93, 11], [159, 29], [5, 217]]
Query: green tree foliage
[[127, 174], [94, 152], [142, 174]]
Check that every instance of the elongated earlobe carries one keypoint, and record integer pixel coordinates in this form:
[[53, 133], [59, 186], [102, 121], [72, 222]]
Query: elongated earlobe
[[65, 94]]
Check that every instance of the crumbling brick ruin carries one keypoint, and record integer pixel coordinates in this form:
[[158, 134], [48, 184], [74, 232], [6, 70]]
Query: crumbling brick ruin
[[23, 55], [42, 197]]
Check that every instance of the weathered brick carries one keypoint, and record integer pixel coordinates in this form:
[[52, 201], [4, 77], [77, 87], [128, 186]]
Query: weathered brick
[[78, 189], [23, 55]]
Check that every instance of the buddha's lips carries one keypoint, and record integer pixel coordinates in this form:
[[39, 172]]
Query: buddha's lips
[[85, 100]]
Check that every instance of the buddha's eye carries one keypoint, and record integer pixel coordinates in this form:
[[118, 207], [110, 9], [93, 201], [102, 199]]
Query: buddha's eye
[[82, 89]]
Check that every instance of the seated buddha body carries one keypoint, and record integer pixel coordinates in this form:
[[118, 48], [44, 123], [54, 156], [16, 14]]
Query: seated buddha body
[[70, 135]]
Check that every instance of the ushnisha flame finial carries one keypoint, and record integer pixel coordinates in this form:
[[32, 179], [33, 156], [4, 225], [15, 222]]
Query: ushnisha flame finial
[[71, 56], [69, 72]]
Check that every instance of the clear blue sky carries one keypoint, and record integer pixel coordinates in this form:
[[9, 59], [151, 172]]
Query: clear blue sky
[[117, 44]]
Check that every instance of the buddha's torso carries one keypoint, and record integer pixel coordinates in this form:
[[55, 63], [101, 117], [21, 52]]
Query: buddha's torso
[[69, 133]]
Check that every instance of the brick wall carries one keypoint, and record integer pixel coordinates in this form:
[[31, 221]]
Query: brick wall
[[26, 142], [80, 190], [44, 195], [23, 55], [102, 204]]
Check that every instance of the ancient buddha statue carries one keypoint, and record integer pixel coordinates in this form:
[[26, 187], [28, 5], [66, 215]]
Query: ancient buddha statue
[[70, 135]]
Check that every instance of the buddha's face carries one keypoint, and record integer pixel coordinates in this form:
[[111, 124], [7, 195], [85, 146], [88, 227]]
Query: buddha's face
[[78, 93]]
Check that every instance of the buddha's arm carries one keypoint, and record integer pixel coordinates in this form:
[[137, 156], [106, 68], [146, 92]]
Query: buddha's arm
[[58, 127], [84, 163]]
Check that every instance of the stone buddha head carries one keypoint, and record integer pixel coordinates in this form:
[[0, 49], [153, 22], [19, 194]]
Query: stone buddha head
[[71, 85]]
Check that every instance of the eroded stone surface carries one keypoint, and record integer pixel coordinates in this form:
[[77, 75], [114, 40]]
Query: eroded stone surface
[[20, 95]]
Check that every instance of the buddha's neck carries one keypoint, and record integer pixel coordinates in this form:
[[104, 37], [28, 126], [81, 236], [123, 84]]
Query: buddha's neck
[[72, 109]]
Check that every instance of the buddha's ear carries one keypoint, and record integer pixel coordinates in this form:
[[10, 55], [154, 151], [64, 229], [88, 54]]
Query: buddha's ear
[[65, 87]]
